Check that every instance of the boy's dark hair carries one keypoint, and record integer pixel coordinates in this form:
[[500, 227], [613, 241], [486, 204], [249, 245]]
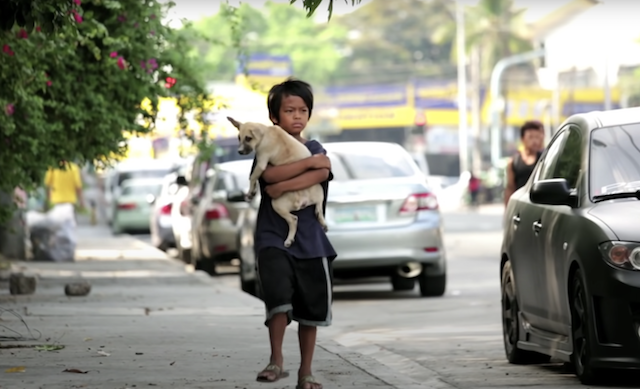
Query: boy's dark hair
[[290, 87], [531, 125]]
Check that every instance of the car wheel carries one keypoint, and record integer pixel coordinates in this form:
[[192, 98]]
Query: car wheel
[[580, 332], [511, 323], [432, 286], [184, 255], [402, 283]]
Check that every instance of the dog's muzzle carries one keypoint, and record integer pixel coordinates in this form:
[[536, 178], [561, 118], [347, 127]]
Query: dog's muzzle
[[244, 150]]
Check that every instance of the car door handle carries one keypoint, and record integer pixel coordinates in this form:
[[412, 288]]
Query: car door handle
[[537, 226], [516, 219]]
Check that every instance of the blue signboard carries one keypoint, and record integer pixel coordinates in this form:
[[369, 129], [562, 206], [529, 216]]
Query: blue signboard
[[368, 96], [265, 65]]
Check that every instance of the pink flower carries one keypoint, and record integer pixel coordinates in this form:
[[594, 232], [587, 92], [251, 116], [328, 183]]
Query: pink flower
[[9, 109], [49, 83], [121, 63], [38, 29], [22, 34], [77, 16], [113, 54], [78, 2], [143, 64], [122, 18], [7, 50]]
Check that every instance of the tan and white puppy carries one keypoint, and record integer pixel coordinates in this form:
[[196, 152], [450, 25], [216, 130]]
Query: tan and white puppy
[[275, 146]]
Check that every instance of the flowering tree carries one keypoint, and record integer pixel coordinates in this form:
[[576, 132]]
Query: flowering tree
[[70, 90]]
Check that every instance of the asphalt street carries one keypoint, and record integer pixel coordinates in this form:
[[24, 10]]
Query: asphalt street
[[454, 341]]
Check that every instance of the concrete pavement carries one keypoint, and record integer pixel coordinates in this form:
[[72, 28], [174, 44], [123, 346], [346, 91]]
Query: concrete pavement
[[149, 321]]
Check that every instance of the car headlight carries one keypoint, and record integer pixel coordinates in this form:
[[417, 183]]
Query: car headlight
[[625, 255]]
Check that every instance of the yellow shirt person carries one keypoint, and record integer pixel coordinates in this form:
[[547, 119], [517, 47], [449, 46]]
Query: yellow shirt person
[[64, 186]]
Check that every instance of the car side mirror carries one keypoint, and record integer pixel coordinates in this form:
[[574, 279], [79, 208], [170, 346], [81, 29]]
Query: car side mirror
[[554, 191], [182, 181], [236, 196]]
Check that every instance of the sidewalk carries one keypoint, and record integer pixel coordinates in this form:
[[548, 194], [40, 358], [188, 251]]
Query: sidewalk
[[150, 322]]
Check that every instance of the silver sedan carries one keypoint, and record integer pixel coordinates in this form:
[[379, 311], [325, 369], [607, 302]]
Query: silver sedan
[[383, 220]]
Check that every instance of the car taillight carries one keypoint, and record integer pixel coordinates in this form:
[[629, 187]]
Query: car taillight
[[166, 209], [419, 202], [127, 206], [184, 208], [217, 211]]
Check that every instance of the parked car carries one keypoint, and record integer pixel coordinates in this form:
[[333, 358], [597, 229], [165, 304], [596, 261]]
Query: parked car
[[570, 266], [214, 232], [147, 168], [132, 207], [160, 221], [383, 220]]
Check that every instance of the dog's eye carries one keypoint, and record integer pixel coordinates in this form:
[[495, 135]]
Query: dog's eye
[[247, 139]]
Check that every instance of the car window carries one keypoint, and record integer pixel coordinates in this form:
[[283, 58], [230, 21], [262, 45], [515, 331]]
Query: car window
[[547, 165], [141, 190], [569, 159], [156, 173], [361, 165], [614, 164]]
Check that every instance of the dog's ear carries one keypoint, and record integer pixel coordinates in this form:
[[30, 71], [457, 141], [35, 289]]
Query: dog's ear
[[235, 123]]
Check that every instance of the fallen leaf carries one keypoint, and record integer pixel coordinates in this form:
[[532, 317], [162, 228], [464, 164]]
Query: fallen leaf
[[49, 347], [74, 371], [139, 353], [103, 353], [146, 311], [171, 364], [87, 339], [18, 369]]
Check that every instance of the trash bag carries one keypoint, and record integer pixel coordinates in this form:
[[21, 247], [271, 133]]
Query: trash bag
[[53, 235]]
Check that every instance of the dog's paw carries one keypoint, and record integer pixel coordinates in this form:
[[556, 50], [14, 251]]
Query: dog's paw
[[288, 242], [248, 197]]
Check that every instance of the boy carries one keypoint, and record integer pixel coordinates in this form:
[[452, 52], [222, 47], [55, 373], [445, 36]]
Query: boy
[[522, 164], [296, 282]]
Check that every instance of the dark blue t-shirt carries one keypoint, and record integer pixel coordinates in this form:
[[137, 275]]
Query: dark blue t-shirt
[[271, 229]]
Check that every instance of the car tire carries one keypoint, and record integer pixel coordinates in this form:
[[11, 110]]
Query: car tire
[[581, 332], [432, 286], [400, 284], [511, 323], [184, 255]]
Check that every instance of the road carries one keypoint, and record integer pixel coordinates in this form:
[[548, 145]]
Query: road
[[453, 341]]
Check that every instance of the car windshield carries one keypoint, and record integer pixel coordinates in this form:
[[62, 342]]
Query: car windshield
[[155, 173], [615, 160], [362, 165], [146, 189]]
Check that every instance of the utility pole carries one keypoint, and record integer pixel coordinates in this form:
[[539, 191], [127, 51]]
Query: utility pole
[[476, 117], [497, 100], [463, 136]]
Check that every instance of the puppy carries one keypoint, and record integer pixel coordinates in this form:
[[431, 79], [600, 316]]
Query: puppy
[[275, 146]]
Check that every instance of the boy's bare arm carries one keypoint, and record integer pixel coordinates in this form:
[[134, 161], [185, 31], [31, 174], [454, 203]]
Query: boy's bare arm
[[511, 183], [303, 181], [275, 174]]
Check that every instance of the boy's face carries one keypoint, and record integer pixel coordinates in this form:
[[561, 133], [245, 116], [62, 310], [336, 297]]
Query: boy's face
[[533, 139], [294, 115]]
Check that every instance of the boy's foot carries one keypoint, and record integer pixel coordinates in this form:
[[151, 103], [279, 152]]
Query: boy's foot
[[272, 373], [308, 382]]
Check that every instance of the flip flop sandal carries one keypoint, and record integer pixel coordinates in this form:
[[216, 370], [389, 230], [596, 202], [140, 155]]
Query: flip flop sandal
[[308, 379], [274, 371]]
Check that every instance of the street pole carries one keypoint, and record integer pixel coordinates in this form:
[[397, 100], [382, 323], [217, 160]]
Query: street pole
[[497, 100], [607, 85], [463, 136]]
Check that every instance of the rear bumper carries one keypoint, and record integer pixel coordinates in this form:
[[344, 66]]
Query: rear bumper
[[221, 241], [390, 247], [134, 221]]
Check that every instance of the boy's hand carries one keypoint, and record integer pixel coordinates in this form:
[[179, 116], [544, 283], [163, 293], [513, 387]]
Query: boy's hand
[[320, 161], [274, 190]]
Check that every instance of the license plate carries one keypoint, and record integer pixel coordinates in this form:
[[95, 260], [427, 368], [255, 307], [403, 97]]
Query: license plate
[[355, 214]]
